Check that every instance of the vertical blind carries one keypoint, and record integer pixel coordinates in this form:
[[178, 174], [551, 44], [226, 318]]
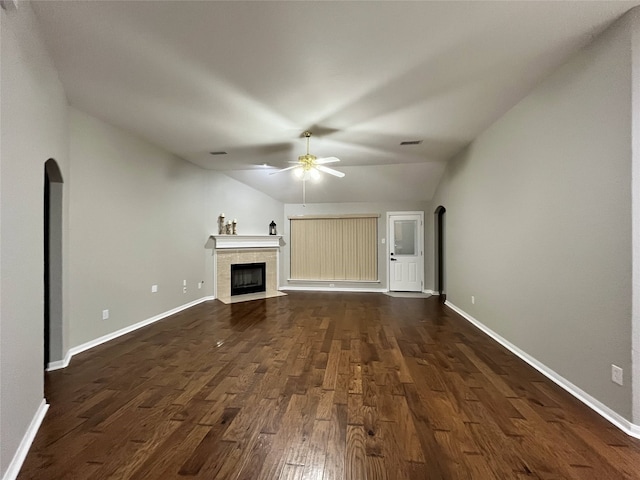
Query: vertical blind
[[334, 248]]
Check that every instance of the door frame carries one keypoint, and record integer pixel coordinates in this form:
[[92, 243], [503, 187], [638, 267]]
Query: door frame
[[420, 244], [440, 252], [53, 322]]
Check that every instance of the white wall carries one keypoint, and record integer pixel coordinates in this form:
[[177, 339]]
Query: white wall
[[253, 209], [539, 222], [341, 209], [34, 129]]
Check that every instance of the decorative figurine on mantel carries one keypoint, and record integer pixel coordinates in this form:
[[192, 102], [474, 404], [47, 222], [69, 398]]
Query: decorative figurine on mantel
[[229, 228], [272, 228]]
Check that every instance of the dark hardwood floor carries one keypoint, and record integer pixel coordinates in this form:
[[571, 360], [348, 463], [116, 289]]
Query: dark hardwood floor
[[317, 386]]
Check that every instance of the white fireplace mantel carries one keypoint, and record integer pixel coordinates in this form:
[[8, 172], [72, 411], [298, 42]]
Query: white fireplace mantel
[[246, 241]]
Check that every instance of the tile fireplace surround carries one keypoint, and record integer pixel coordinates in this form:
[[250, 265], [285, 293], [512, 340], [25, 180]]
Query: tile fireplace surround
[[240, 249]]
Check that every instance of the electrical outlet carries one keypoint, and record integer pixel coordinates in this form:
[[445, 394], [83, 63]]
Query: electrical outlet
[[332, 285], [154, 288], [473, 300], [105, 314], [184, 289], [616, 374]]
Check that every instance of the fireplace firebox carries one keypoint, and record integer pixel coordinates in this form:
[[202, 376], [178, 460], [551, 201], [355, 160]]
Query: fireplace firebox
[[248, 278]]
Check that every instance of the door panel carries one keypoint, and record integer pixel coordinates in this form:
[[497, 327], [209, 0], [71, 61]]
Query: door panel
[[405, 252], [413, 272], [397, 274]]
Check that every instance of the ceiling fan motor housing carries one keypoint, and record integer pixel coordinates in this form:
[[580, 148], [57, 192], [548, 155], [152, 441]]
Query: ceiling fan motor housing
[[307, 161]]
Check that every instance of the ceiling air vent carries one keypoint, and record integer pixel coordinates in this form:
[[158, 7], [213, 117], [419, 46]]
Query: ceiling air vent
[[218, 153], [411, 142]]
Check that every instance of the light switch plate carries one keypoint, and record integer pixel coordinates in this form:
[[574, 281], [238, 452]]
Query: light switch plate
[[616, 374]]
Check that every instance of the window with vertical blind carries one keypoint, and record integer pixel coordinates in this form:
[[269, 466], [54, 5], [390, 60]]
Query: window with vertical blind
[[334, 247]]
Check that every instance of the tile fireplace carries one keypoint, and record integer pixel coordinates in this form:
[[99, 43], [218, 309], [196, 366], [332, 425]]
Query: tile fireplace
[[240, 255]]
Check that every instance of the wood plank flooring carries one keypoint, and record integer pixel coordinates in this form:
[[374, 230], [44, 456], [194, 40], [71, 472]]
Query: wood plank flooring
[[317, 386]]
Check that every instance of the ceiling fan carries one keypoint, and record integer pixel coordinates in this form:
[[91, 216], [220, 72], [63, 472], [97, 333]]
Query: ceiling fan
[[308, 166]]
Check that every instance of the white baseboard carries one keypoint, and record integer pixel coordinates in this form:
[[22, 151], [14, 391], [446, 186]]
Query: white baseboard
[[430, 292], [118, 333], [331, 289], [57, 365], [615, 418], [25, 444]]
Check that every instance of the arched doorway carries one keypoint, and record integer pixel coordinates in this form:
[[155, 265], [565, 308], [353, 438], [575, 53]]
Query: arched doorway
[[440, 252], [53, 331]]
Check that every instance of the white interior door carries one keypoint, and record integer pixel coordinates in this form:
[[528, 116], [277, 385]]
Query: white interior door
[[405, 252]]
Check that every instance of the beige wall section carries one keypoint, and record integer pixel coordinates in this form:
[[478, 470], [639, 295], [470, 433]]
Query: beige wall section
[[34, 129], [538, 222], [141, 217], [634, 19], [137, 220], [344, 209]]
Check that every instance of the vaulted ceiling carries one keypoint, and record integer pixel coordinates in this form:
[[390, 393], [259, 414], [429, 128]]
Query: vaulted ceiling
[[248, 78]]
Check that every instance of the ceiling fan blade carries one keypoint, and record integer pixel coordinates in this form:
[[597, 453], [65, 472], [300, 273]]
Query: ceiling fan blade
[[320, 161], [283, 170], [330, 171]]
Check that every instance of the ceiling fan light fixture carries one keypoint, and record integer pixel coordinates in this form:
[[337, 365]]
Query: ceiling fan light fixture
[[307, 174], [310, 167]]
